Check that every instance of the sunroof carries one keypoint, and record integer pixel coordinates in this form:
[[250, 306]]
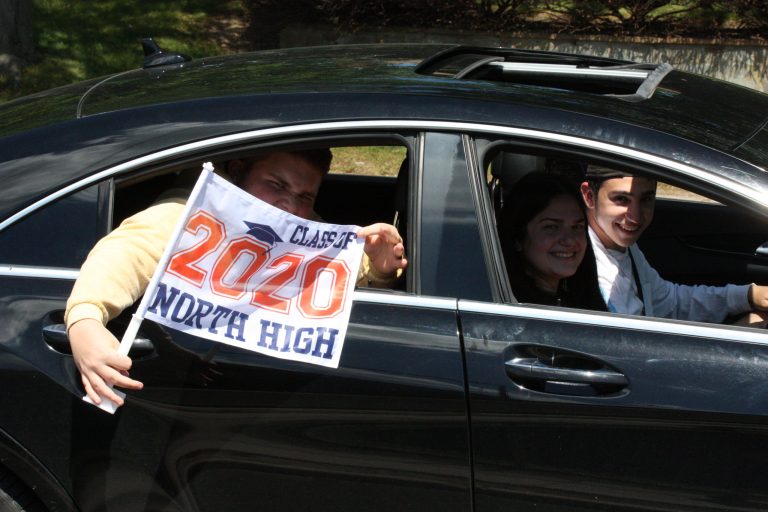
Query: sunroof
[[622, 79]]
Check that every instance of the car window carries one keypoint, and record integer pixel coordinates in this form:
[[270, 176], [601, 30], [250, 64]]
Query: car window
[[368, 160], [691, 240], [360, 188], [58, 235], [135, 192], [667, 191]]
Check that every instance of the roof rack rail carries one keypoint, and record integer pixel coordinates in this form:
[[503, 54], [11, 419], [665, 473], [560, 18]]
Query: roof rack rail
[[467, 71], [432, 64], [648, 86], [632, 72], [624, 80]]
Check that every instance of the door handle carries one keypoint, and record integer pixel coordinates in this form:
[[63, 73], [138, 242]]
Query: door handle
[[562, 372], [532, 368], [55, 336]]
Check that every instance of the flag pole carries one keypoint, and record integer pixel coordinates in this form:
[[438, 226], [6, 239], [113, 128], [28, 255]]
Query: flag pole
[[133, 327]]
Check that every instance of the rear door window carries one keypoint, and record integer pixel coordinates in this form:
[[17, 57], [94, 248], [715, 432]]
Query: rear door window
[[59, 234]]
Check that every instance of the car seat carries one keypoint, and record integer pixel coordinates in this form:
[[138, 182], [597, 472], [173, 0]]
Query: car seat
[[506, 169]]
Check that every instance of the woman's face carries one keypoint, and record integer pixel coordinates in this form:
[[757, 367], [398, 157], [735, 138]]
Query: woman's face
[[555, 242]]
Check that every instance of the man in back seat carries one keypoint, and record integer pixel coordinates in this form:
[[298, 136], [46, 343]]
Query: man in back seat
[[118, 269]]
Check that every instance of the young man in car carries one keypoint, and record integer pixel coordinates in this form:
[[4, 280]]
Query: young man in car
[[118, 269], [619, 208]]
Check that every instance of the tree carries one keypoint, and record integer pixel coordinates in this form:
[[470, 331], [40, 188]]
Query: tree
[[269, 17], [16, 44]]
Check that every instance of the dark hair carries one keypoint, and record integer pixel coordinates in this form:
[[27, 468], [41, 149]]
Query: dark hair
[[596, 175], [529, 197], [319, 158]]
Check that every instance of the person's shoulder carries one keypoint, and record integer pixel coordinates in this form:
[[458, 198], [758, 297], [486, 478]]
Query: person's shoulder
[[174, 195], [158, 217]]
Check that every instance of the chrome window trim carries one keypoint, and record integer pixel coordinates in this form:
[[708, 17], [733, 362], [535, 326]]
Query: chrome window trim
[[581, 143], [599, 319], [360, 295], [398, 299], [39, 272]]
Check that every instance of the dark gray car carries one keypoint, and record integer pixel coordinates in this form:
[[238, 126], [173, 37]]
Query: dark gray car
[[450, 394]]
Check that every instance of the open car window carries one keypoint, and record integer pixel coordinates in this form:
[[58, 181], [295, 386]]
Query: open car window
[[695, 238], [676, 193], [367, 182]]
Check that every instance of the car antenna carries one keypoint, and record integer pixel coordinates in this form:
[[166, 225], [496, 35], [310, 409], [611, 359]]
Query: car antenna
[[154, 56]]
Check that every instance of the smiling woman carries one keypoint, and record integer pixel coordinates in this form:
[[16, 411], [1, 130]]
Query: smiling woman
[[543, 235]]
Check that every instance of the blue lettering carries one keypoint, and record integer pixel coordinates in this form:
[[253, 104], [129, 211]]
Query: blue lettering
[[203, 309], [269, 331], [302, 343], [295, 236], [350, 237], [236, 323], [220, 312], [327, 341], [287, 343], [163, 300], [185, 298]]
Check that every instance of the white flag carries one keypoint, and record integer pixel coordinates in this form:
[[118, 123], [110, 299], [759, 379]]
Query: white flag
[[247, 274]]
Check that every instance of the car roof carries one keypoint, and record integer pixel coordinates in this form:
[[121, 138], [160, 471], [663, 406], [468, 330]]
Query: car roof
[[715, 113], [104, 121]]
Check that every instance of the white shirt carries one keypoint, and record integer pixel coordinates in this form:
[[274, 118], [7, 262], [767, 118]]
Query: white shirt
[[660, 298]]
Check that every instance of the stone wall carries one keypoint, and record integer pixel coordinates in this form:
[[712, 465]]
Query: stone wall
[[741, 62]]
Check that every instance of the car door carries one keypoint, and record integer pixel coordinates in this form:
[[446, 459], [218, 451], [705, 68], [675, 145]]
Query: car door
[[38, 258], [579, 410], [217, 428], [582, 411]]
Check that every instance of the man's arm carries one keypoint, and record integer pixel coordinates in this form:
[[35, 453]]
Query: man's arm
[[113, 277], [699, 303]]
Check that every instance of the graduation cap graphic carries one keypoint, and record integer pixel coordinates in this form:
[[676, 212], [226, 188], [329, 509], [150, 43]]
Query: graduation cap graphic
[[263, 233]]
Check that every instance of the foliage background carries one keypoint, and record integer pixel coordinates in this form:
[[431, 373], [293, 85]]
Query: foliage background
[[709, 18], [75, 40]]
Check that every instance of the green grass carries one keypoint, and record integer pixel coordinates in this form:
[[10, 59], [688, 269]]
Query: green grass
[[77, 39], [368, 160]]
